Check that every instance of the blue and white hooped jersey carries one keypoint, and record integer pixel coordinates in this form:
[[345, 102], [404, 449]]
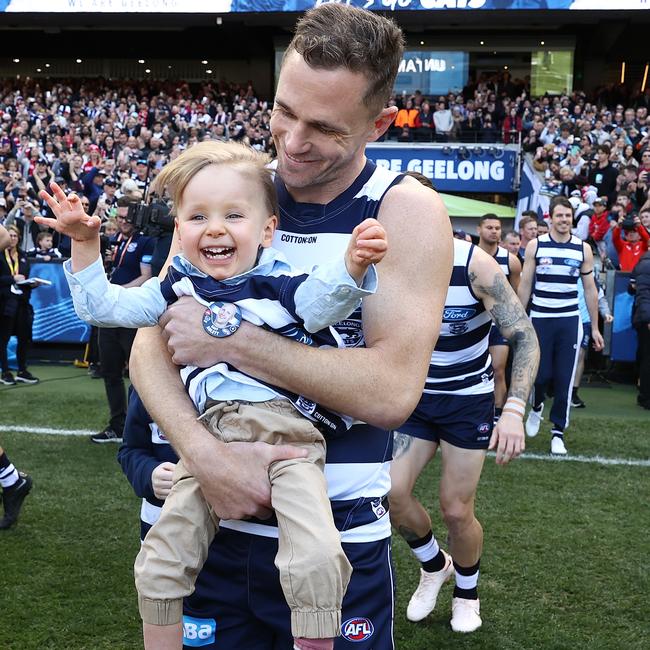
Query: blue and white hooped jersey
[[502, 256], [461, 363], [555, 293], [358, 463]]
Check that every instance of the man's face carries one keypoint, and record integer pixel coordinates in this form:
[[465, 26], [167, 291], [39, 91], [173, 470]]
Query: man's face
[[632, 236], [645, 219], [622, 201], [528, 231], [320, 136], [599, 208], [125, 227], [561, 220], [490, 231], [512, 243]]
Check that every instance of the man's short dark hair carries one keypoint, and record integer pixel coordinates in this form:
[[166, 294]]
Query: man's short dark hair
[[529, 218], [603, 148], [529, 213], [124, 202], [561, 201], [421, 178], [490, 216], [334, 36]]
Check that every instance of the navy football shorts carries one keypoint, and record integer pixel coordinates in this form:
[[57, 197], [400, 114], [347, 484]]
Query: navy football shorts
[[586, 336], [239, 605], [495, 337], [464, 421]]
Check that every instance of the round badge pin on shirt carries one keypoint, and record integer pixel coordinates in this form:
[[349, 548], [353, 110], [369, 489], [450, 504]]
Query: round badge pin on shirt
[[221, 319]]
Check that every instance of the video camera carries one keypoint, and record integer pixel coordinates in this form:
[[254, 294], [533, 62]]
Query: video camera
[[153, 219]]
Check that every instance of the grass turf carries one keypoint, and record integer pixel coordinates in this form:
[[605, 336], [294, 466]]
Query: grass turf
[[565, 562]]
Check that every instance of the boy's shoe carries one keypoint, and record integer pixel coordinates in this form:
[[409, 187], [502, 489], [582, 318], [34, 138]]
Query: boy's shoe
[[26, 377], [465, 615], [533, 421], [425, 596], [7, 379], [13, 500], [107, 435], [577, 403], [557, 446]]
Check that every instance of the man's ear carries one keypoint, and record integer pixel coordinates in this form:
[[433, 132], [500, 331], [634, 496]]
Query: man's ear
[[269, 230], [382, 122]]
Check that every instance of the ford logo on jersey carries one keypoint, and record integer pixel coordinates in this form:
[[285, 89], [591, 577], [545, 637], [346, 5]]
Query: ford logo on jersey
[[457, 313], [357, 629], [574, 263]]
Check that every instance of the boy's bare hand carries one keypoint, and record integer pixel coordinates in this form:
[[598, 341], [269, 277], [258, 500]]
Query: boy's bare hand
[[70, 219], [368, 245]]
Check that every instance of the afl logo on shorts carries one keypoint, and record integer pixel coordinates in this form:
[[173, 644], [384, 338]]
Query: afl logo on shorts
[[483, 428], [357, 630]]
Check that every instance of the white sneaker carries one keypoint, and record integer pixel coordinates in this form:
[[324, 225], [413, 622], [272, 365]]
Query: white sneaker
[[557, 446], [465, 615], [533, 421], [424, 599]]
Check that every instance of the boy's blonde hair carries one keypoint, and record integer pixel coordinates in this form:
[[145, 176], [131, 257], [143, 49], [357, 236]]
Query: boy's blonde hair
[[177, 174]]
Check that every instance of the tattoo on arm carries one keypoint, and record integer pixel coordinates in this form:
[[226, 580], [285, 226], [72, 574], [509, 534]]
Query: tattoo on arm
[[401, 443], [510, 317]]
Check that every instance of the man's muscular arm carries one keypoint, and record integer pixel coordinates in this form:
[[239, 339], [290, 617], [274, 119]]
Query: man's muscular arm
[[382, 383], [234, 479], [491, 285]]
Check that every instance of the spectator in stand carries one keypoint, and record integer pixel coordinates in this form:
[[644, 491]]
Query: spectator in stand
[[512, 127], [527, 230], [542, 227], [641, 321], [443, 121], [426, 126], [599, 225], [22, 217], [635, 245], [44, 250], [603, 175]]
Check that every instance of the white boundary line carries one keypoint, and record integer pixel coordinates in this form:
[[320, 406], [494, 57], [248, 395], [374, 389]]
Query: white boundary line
[[596, 460], [46, 431]]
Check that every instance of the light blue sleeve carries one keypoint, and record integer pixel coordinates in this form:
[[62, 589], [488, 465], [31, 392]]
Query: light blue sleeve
[[330, 294], [103, 304]]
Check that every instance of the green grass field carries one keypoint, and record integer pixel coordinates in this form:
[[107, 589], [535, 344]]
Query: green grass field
[[566, 560]]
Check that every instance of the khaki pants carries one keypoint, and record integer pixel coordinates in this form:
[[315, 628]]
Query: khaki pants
[[314, 571]]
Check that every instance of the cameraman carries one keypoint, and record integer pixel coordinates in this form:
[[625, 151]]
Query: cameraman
[[635, 245], [130, 267]]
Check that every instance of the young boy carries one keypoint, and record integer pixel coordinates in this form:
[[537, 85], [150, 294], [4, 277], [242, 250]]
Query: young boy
[[225, 207], [44, 250]]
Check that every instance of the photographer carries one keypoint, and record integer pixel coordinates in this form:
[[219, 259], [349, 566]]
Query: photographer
[[635, 245]]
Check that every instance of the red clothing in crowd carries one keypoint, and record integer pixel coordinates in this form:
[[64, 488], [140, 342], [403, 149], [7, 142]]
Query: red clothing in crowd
[[599, 225], [629, 253]]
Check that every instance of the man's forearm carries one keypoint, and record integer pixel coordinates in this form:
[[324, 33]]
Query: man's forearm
[[159, 385], [591, 298], [360, 382]]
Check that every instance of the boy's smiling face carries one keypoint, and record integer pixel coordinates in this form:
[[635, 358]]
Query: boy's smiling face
[[222, 220]]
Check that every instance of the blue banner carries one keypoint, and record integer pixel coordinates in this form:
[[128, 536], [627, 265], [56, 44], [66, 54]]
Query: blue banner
[[452, 168], [624, 338], [55, 320]]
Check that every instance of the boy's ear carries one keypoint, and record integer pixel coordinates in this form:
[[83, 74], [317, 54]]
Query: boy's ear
[[269, 230]]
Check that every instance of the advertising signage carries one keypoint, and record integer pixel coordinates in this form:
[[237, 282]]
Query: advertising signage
[[456, 168], [434, 73], [256, 6]]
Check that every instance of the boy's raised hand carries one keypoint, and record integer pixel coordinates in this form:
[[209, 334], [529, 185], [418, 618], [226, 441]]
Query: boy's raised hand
[[368, 245], [70, 219]]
